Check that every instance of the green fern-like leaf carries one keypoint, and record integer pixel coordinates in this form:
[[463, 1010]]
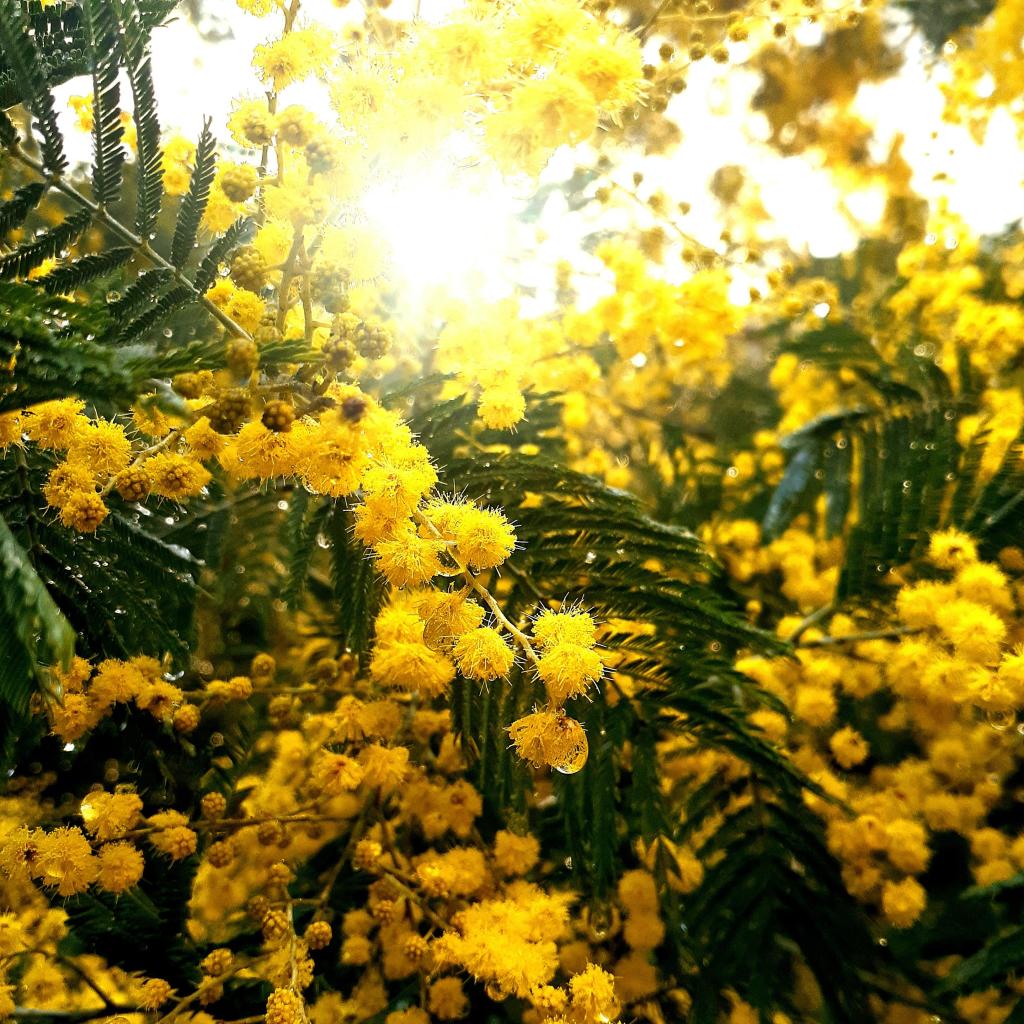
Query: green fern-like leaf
[[206, 275], [193, 205], [20, 205], [108, 152], [84, 269], [139, 294], [32, 254], [28, 70], [35, 632], [149, 168]]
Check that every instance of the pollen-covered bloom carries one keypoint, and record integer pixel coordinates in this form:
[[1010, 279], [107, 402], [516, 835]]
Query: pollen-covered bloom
[[110, 815], [483, 654], [548, 738], [568, 665], [65, 861], [121, 866], [176, 476], [336, 773]]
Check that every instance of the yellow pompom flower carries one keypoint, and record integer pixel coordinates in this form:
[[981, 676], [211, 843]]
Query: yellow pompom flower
[[413, 667], [65, 861], [55, 424], [176, 476], [66, 479], [574, 627], [569, 670], [447, 616], [483, 654], [203, 441], [515, 854], [83, 511], [172, 834], [336, 773], [102, 446], [110, 815], [951, 549], [484, 537], [251, 124], [121, 866], [409, 559], [550, 739], [592, 995], [903, 902], [501, 407], [849, 748], [385, 767], [446, 999]]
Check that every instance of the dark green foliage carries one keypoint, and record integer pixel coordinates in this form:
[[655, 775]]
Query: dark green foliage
[[912, 475], [20, 205], [108, 152], [124, 590], [168, 303], [33, 253], [149, 170], [139, 294], [48, 341], [206, 275], [937, 20], [355, 581], [33, 632], [59, 33], [305, 522], [193, 205], [84, 269], [8, 133], [144, 930], [28, 72], [43, 338]]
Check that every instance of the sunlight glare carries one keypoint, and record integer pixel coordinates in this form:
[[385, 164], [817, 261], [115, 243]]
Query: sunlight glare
[[447, 228]]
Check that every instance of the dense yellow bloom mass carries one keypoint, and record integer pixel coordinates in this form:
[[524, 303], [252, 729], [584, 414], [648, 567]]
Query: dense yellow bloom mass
[[630, 633]]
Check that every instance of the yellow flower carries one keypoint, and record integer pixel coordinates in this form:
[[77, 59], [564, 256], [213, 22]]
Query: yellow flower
[[65, 861], [903, 902], [952, 549], [546, 738], [849, 748], [385, 767], [84, 511], [176, 476], [574, 627], [120, 867], [102, 446], [515, 854], [409, 559], [55, 424], [483, 654], [110, 815], [568, 670], [484, 537]]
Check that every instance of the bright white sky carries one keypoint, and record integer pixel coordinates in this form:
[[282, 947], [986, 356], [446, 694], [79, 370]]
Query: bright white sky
[[984, 182]]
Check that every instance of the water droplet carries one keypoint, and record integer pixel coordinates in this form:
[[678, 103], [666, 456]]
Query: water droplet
[[1001, 720], [323, 541], [282, 505]]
